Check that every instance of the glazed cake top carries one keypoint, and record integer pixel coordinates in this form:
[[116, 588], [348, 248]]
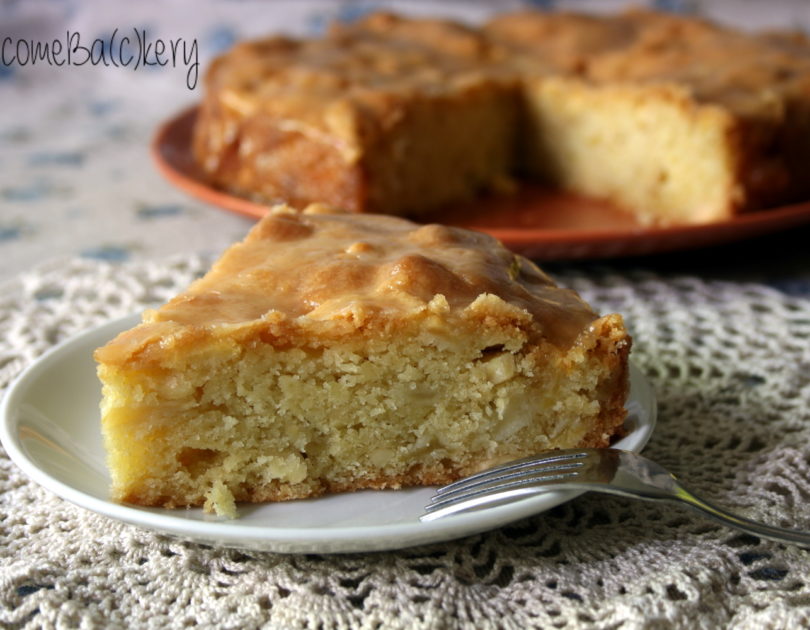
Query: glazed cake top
[[364, 63], [325, 267], [748, 72], [347, 87], [359, 72], [317, 263]]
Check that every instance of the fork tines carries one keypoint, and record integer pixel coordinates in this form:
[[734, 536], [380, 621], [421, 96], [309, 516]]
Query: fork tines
[[510, 478]]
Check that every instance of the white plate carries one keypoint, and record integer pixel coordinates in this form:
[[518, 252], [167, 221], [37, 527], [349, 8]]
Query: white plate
[[50, 428]]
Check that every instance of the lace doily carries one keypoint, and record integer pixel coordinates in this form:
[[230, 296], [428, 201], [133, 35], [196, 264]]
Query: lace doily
[[731, 365]]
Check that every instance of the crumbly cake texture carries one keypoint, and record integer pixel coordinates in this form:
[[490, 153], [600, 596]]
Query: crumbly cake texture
[[331, 352], [677, 119]]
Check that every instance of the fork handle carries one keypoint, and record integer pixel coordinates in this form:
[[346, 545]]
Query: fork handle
[[716, 513]]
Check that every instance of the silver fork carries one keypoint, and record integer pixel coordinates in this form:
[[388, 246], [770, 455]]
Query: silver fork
[[607, 470]]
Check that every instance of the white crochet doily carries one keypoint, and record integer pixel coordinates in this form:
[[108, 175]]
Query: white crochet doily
[[731, 365]]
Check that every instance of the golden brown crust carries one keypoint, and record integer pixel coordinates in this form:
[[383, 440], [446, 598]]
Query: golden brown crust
[[612, 349], [418, 475]]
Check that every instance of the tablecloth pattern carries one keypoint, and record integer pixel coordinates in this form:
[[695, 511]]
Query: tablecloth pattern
[[89, 232], [731, 366]]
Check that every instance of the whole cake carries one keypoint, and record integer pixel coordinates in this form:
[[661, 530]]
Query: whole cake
[[330, 352], [676, 119]]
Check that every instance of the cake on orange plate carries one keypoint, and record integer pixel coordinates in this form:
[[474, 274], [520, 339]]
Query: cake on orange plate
[[677, 119], [332, 352]]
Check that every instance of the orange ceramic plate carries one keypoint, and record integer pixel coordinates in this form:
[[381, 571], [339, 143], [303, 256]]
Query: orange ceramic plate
[[541, 224]]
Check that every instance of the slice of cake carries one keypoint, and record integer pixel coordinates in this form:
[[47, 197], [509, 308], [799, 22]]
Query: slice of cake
[[388, 114], [330, 352]]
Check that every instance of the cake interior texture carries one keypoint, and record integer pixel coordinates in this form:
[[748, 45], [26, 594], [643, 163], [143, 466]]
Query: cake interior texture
[[647, 149], [333, 352], [676, 119]]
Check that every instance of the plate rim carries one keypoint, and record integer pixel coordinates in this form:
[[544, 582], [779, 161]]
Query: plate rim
[[593, 243], [229, 533]]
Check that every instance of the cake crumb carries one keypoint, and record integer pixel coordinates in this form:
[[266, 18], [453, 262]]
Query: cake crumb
[[219, 500]]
